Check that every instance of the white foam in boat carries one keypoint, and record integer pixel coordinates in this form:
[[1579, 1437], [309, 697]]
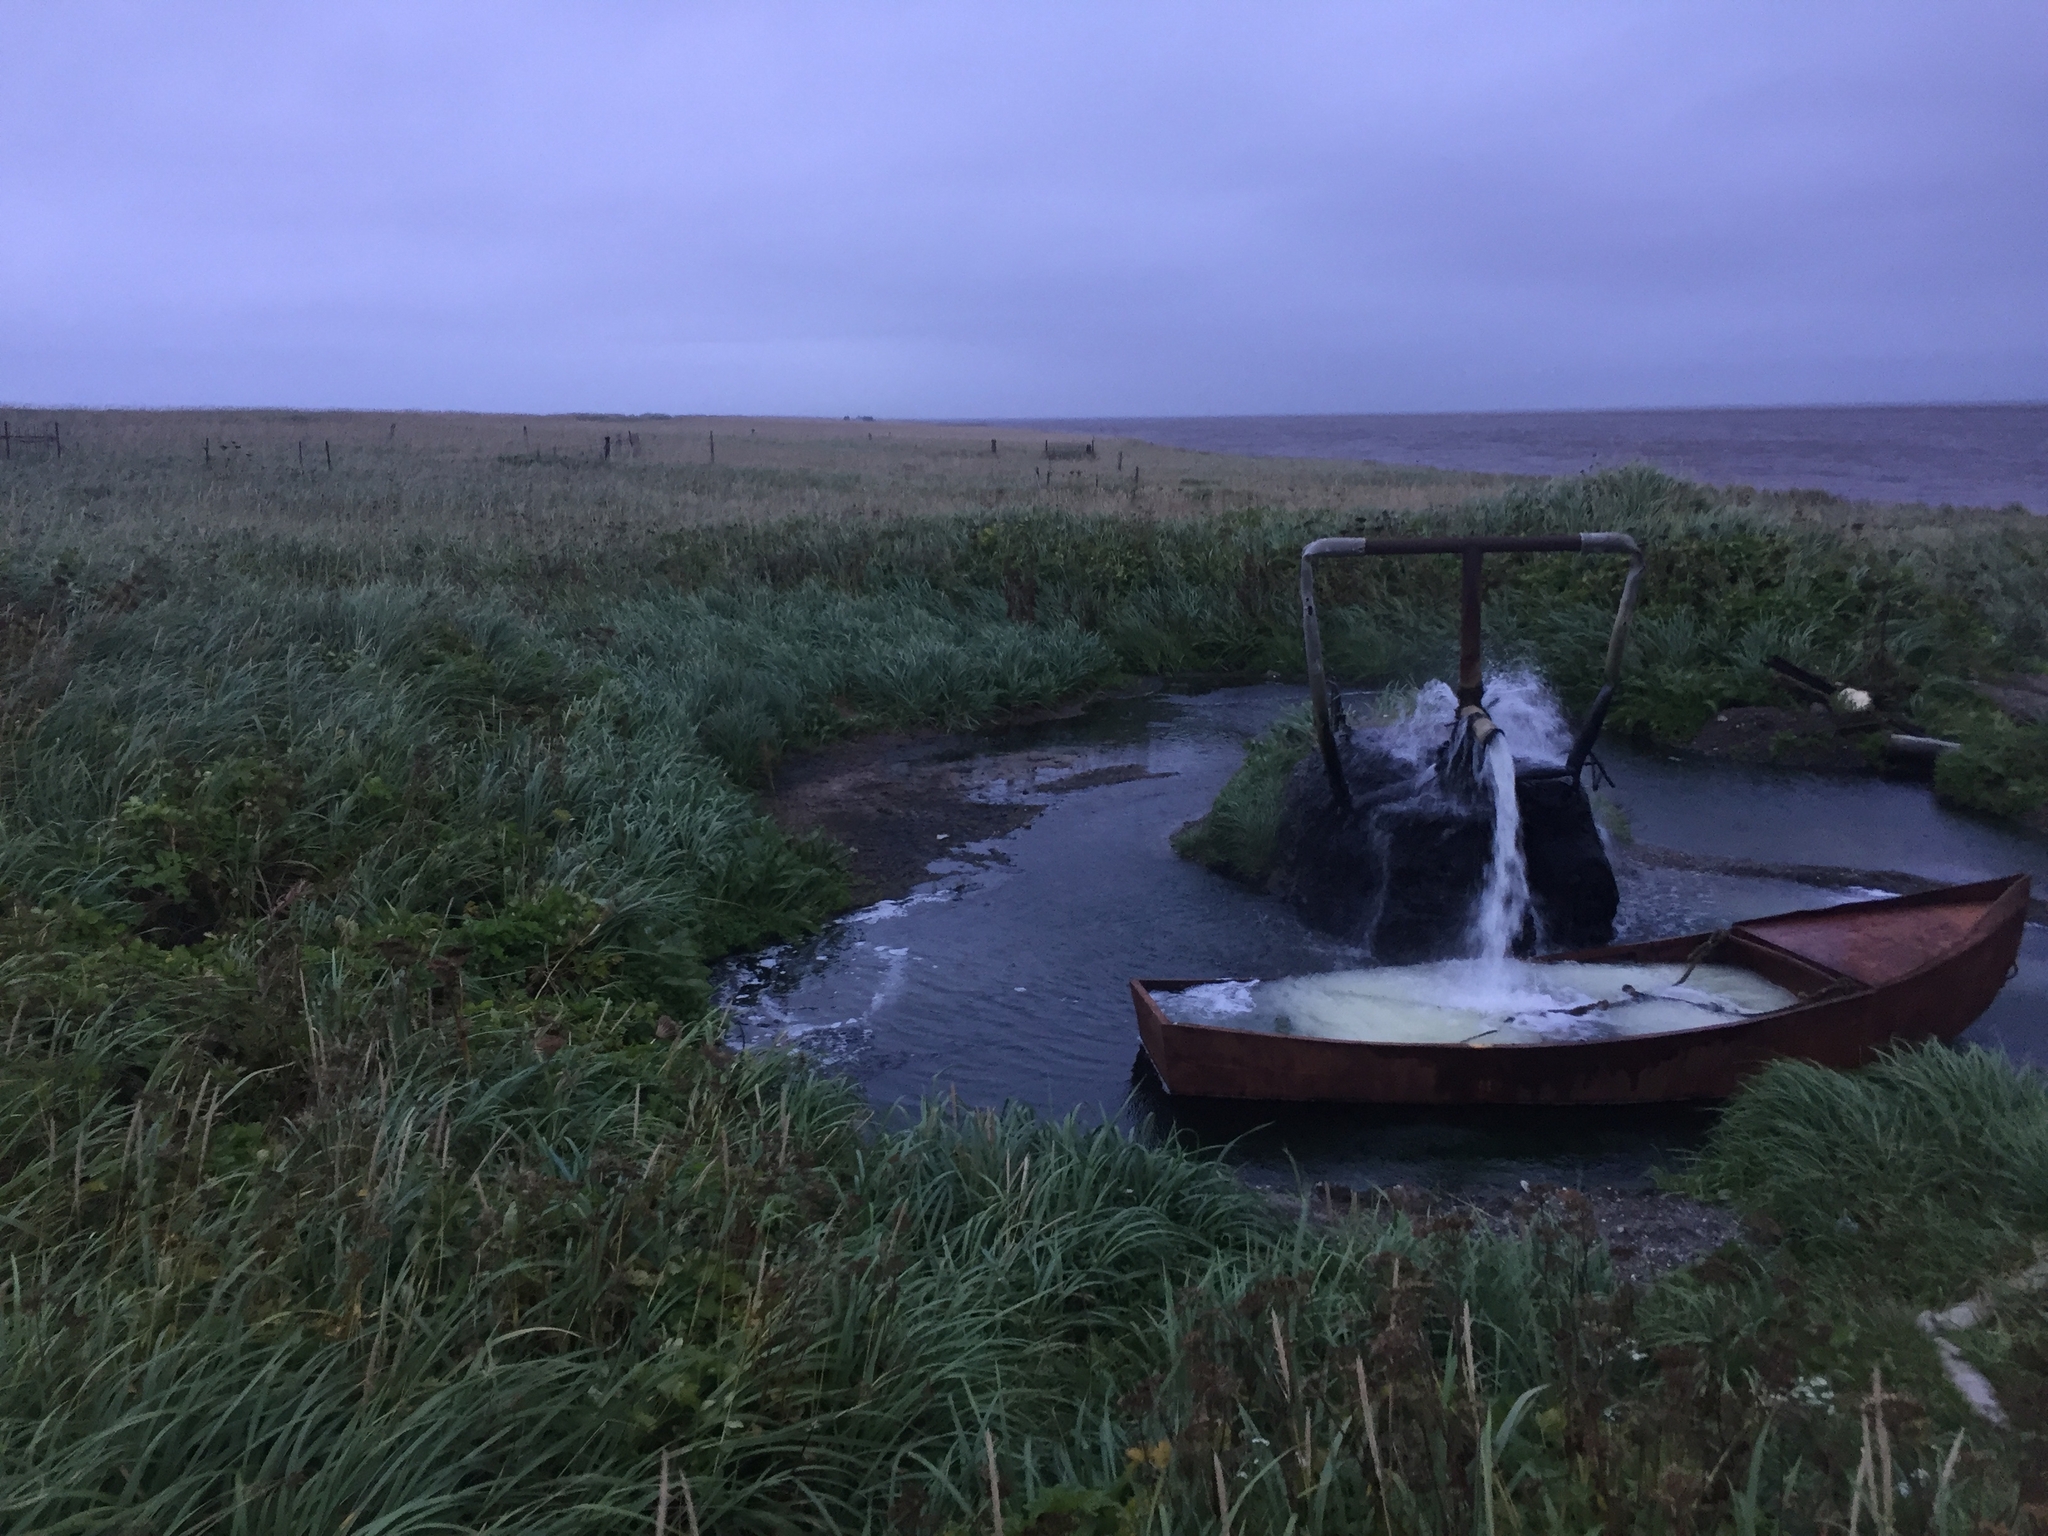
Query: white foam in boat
[[1483, 1002]]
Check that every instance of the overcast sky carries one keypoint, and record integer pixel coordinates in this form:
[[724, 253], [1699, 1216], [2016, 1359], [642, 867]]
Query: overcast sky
[[972, 209]]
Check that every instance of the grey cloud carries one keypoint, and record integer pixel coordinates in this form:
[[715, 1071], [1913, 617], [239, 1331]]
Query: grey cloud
[[965, 210]]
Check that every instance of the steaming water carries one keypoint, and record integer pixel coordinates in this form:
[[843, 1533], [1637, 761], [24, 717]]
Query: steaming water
[[1484, 1002]]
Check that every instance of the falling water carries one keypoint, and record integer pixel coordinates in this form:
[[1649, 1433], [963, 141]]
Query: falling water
[[1504, 900]]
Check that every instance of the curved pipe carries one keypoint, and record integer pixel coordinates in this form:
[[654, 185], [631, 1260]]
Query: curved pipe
[[1631, 590]]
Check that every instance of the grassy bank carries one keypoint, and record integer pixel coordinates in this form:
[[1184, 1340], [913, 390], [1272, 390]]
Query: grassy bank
[[444, 1283], [368, 1161]]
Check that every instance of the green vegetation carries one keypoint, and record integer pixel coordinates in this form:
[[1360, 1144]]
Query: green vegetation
[[1956, 1148], [368, 1160], [1238, 836]]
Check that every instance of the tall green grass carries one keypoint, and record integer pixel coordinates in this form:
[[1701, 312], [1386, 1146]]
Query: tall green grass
[[450, 1283], [1919, 1177]]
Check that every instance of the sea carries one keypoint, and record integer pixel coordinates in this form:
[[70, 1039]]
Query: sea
[[1954, 455]]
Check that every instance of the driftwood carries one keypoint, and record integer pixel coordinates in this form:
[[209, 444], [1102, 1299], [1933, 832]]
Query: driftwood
[[1962, 1375]]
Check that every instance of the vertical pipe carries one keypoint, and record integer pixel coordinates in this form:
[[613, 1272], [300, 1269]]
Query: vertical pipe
[[1318, 684], [1469, 685]]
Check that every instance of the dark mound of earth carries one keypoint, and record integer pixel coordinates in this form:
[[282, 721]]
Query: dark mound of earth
[[1401, 867]]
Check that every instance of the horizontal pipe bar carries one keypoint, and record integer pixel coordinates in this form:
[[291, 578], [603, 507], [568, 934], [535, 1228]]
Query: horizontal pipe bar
[[1485, 544]]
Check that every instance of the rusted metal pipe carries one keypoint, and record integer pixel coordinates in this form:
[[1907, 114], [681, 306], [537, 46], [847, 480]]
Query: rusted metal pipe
[[1471, 588], [1631, 591]]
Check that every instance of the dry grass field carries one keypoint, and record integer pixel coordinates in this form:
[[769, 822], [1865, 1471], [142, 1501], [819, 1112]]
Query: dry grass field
[[139, 478]]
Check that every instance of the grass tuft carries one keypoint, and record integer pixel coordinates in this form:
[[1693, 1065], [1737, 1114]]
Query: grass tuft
[[1924, 1175]]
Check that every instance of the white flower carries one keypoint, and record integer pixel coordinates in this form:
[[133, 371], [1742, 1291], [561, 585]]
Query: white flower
[[1813, 1392]]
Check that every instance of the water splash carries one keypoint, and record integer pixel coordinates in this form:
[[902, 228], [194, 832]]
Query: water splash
[[1522, 705], [1415, 734], [1523, 724], [1414, 729]]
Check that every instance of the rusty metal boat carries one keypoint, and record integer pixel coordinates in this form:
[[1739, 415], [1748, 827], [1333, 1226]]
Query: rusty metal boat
[[1866, 975]]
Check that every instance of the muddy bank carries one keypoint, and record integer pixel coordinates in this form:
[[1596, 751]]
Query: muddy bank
[[1787, 737], [900, 804]]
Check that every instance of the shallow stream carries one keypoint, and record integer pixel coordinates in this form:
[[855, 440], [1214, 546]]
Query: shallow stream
[[1005, 976]]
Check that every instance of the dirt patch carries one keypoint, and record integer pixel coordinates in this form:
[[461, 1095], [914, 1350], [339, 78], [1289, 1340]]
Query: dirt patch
[[1773, 733], [1650, 1232], [899, 804]]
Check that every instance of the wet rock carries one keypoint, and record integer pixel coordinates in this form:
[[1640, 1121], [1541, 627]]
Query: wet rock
[[1572, 893]]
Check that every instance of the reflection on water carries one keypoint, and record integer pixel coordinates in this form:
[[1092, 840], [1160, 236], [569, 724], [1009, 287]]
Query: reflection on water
[[1008, 980]]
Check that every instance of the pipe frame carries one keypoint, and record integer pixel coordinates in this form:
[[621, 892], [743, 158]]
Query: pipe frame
[[1472, 551]]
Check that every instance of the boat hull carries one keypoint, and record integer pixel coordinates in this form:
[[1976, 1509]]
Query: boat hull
[[1869, 975]]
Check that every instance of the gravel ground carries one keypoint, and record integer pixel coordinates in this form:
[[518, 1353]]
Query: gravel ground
[[1647, 1231]]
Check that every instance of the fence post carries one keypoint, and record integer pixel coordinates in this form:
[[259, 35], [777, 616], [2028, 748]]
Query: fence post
[[6, 442], [57, 437]]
